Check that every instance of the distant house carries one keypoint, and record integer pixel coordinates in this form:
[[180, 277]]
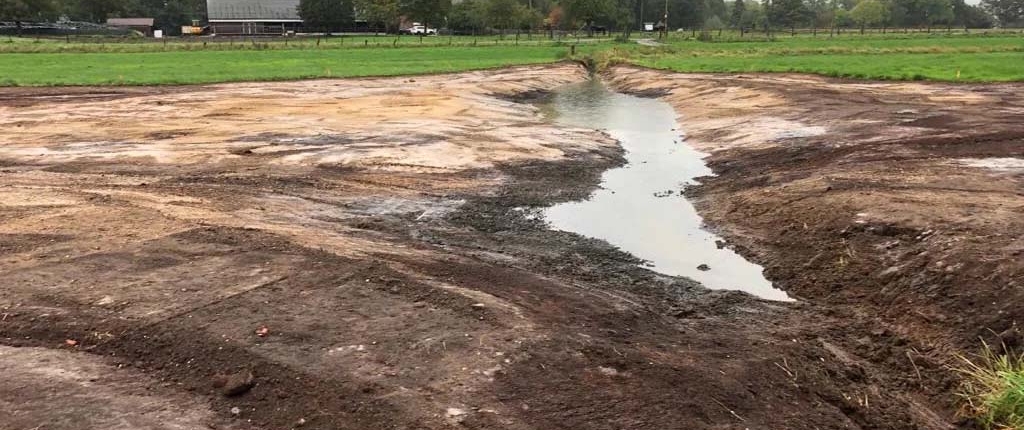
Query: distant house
[[141, 25], [253, 17]]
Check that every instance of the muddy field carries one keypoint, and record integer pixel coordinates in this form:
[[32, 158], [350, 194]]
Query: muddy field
[[364, 254]]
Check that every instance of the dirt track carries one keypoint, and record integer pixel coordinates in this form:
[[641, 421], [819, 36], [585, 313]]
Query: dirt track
[[381, 231]]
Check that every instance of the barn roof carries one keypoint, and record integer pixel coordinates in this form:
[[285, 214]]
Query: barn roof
[[130, 22], [265, 10]]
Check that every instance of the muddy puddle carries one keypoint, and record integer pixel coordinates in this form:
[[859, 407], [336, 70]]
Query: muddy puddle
[[639, 207]]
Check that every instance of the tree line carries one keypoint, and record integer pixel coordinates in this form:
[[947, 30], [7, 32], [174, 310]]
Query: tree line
[[868, 13], [469, 16], [623, 15], [168, 15], [566, 15]]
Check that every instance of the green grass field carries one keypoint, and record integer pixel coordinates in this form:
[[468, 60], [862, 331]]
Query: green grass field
[[191, 67], [873, 44], [964, 67], [977, 58], [939, 56]]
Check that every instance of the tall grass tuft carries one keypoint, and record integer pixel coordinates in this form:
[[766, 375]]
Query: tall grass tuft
[[993, 389]]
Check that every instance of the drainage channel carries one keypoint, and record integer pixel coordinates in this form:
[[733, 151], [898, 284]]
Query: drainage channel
[[639, 207]]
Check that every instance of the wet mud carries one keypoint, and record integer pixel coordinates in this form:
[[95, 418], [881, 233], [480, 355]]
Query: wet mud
[[373, 252]]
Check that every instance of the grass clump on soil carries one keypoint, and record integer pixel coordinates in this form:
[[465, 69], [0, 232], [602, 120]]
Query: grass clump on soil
[[993, 389]]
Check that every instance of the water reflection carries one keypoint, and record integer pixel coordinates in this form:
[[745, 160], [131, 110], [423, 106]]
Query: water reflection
[[639, 208]]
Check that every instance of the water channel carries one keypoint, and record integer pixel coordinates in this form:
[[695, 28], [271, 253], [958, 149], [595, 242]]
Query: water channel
[[639, 207]]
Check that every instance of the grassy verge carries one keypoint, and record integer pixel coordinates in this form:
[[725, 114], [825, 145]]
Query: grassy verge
[[184, 67], [993, 390]]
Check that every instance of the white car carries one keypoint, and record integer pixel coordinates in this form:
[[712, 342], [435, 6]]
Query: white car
[[421, 29]]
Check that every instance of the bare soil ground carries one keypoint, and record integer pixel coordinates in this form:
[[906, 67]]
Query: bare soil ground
[[368, 250], [897, 205]]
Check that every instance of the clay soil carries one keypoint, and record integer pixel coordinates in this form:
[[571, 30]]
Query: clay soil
[[369, 250]]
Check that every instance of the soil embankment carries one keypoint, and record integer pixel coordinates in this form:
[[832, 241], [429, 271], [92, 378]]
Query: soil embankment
[[368, 250]]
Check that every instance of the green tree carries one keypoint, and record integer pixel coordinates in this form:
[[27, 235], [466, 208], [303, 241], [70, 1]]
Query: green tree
[[379, 12], [716, 8], [714, 23], [789, 13], [587, 11], [94, 10], [970, 16], [843, 18], [427, 12], [869, 13], [468, 16], [899, 16], [692, 13], [623, 18], [736, 18], [1009, 13], [528, 19], [821, 12], [27, 10], [753, 16], [501, 14], [168, 15], [326, 15], [922, 12], [937, 12]]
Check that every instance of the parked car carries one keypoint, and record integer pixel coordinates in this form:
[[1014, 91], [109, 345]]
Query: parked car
[[421, 29]]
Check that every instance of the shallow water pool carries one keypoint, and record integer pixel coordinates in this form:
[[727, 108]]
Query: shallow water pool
[[639, 207]]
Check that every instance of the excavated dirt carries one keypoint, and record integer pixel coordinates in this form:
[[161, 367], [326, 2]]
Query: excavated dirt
[[369, 250]]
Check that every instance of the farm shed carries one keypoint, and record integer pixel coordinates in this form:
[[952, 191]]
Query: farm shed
[[141, 25], [253, 17]]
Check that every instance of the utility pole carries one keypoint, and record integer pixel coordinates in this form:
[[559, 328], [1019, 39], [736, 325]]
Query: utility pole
[[832, 25], [642, 15], [665, 28]]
